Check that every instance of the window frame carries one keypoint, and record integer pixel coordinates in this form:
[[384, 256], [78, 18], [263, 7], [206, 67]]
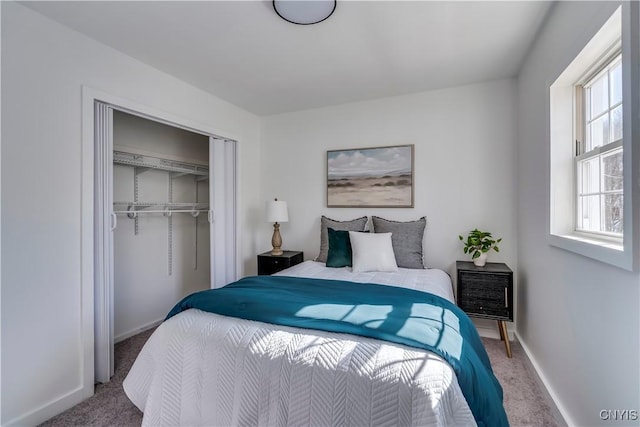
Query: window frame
[[610, 60]]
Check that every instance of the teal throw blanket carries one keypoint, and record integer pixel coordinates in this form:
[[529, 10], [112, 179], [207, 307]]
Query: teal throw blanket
[[404, 316]]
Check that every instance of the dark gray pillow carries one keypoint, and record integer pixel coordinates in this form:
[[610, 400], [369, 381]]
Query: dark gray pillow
[[406, 239], [357, 224]]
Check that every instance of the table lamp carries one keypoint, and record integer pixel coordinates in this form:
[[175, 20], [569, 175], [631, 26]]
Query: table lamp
[[277, 212]]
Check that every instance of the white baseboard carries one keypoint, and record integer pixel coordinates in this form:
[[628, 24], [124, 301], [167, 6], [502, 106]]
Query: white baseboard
[[137, 330], [64, 402], [51, 409], [560, 413]]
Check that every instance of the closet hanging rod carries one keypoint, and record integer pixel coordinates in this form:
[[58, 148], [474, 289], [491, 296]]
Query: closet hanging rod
[[165, 204], [166, 211]]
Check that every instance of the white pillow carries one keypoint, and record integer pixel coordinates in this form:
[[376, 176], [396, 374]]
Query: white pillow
[[372, 252]]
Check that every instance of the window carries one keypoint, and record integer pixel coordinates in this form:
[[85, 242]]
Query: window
[[598, 160], [591, 156]]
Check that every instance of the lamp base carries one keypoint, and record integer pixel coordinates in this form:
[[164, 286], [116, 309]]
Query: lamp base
[[276, 240]]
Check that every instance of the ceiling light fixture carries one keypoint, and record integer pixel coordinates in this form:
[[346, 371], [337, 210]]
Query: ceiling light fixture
[[304, 12]]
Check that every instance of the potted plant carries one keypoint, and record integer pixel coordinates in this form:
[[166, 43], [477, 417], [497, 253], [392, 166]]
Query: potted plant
[[478, 244]]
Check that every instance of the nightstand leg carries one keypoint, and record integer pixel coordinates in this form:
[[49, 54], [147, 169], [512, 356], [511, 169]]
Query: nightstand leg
[[502, 325]]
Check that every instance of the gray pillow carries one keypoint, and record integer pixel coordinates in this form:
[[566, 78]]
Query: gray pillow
[[406, 239], [357, 224]]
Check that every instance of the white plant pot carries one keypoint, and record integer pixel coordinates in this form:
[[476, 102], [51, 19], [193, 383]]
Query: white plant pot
[[481, 260]]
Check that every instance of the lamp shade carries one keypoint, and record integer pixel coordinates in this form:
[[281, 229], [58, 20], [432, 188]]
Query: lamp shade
[[277, 211]]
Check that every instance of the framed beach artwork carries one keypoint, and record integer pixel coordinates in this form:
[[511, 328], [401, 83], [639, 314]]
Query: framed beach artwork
[[380, 177]]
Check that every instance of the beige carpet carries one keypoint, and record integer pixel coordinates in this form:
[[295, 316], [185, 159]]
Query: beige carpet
[[525, 403], [523, 400]]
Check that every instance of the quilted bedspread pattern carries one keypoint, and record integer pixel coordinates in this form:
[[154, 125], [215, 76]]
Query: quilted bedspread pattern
[[201, 368]]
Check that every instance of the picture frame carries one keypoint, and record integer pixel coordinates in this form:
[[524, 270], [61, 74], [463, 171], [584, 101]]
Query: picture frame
[[374, 177]]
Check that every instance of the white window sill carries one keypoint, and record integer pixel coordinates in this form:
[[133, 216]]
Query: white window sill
[[605, 251], [605, 243]]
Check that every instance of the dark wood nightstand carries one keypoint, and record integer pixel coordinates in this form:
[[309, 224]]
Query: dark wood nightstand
[[487, 292], [269, 264]]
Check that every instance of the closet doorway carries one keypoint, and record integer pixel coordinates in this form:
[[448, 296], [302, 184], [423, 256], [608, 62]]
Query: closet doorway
[[161, 201], [164, 221]]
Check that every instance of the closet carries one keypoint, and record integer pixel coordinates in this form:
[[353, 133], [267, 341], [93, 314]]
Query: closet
[[164, 218], [161, 204]]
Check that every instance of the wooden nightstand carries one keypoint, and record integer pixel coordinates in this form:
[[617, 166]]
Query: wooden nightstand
[[487, 292], [269, 264]]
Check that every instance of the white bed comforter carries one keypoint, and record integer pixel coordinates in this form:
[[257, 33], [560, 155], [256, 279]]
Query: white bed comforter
[[201, 368]]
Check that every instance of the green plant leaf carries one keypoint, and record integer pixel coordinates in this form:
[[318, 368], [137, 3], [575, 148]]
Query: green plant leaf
[[479, 242]]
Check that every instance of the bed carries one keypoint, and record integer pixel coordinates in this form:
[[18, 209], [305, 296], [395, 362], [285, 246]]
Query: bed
[[362, 335], [202, 368]]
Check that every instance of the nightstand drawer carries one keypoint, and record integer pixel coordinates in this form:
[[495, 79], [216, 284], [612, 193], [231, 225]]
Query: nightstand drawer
[[485, 292], [270, 264]]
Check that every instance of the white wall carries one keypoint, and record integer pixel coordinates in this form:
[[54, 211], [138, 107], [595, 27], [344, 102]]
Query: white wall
[[148, 136], [578, 318], [44, 66], [464, 166], [145, 288]]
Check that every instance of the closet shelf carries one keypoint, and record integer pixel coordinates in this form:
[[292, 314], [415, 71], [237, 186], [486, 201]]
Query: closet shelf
[[144, 161], [142, 206]]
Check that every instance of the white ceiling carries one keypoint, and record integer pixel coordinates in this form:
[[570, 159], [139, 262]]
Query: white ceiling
[[243, 52]]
